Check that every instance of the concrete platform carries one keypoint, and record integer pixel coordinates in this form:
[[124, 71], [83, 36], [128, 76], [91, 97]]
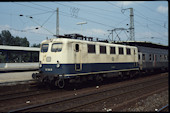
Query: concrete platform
[[16, 76]]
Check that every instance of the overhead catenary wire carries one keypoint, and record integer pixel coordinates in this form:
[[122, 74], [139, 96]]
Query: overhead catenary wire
[[29, 6], [42, 6], [150, 20], [152, 30], [154, 19], [73, 17], [151, 10], [87, 20], [41, 26], [33, 20], [84, 19], [105, 16], [96, 8], [95, 14], [113, 4], [92, 12], [48, 18], [27, 30], [47, 9], [36, 14], [143, 16], [137, 21]]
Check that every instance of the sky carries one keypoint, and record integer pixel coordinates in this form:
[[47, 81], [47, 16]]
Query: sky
[[37, 20]]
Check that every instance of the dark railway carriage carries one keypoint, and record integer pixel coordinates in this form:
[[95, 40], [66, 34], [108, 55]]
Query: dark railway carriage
[[151, 56]]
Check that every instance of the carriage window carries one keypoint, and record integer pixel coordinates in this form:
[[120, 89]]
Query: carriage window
[[138, 56], [44, 48], [77, 48], [128, 52], [143, 56], [103, 49], [121, 50], [112, 50], [150, 57], [167, 57], [56, 47], [164, 57], [91, 48], [155, 57]]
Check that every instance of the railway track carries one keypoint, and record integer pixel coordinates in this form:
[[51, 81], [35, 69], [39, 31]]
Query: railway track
[[79, 101], [164, 108], [30, 90], [11, 96], [17, 82]]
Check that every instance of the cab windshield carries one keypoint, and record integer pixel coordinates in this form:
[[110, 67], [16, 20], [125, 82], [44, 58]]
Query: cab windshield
[[44, 48], [56, 47]]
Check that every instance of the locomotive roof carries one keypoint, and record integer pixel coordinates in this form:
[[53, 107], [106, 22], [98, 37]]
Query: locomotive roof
[[86, 41], [130, 43]]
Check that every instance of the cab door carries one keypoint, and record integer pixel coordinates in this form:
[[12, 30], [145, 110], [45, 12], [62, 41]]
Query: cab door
[[154, 60], [140, 58], [77, 56]]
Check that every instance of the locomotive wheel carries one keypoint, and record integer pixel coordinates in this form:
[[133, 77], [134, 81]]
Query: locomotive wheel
[[60, 83], [99, 78], [132, 75]]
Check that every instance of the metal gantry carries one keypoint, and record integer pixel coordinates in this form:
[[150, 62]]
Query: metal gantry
[[57, 22], [131, 28], [117, 34], [131, 37]]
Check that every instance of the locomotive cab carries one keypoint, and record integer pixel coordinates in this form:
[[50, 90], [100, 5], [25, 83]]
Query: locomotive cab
[[53, 56]]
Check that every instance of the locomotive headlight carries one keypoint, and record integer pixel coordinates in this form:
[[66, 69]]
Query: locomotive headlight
[[58, 64], [40, 65], [48, 59]]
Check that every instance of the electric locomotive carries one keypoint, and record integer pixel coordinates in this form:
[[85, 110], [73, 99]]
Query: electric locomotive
[[75, 58]]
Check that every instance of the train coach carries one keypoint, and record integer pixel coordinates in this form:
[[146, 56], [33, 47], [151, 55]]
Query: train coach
[[75, 58], [16, 58], [151, 57]]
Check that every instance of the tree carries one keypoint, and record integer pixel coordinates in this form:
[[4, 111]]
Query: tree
[[36, 45], [17, 41], [2, 58], [24, 42], [7, 39]]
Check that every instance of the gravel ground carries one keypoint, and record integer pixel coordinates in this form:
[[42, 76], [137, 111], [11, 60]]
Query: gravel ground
[[151, 103]]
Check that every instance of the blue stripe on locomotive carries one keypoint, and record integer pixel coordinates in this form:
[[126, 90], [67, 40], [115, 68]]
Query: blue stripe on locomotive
[[86, 68]]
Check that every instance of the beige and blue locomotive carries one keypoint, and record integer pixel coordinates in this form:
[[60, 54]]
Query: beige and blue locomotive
[[72, 60]]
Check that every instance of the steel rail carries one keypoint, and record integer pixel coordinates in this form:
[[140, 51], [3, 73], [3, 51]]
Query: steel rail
[[65, 110], [82, 95], [22, 94], [163, 108]]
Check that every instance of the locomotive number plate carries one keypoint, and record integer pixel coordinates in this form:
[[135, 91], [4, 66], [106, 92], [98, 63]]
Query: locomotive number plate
[[48, 69]]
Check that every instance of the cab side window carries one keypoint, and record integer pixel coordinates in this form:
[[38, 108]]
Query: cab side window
[[121, 51], [143, 56], [77, 47], [128, 52], [112, 50], [103, 49], [91, 48]]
